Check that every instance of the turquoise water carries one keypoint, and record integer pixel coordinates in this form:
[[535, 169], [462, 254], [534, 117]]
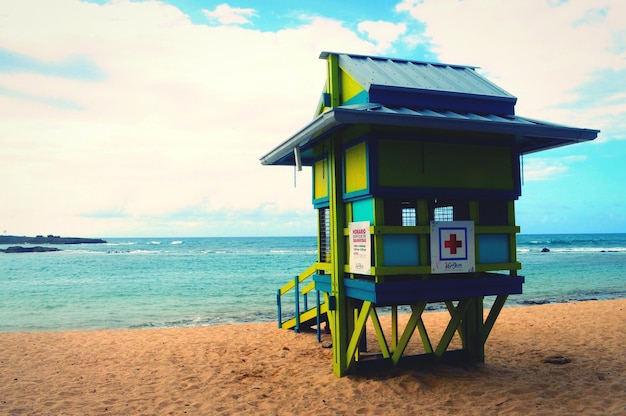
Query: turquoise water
[[163, 282]]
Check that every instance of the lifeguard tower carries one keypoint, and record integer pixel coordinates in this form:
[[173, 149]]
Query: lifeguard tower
[[416, 168]]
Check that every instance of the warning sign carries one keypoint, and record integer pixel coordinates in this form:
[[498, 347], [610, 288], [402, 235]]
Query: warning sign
[[452, 247], [360, 247]]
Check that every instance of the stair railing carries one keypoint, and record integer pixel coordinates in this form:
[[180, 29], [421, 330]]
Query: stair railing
[[300, 292]]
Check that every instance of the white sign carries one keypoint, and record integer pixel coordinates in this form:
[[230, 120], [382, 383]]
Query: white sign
[[452, 247], [360, 247]]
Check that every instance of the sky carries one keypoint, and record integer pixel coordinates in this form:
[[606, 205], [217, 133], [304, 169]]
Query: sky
[[148, 118]]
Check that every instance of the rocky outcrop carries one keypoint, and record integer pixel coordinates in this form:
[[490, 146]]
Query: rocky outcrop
[[49, 239], [36, 249]]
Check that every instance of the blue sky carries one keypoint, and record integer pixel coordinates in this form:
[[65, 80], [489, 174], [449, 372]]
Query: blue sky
[[144, 118]]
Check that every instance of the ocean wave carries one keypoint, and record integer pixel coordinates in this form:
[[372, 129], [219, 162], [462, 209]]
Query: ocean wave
[[134, 252], [572, 249], [287, 251]]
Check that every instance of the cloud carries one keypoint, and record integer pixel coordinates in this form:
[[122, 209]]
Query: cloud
[[540, 51], [381, 32], [172, 124], [76, 67], [127, 118], [542, 169], [226, 15]]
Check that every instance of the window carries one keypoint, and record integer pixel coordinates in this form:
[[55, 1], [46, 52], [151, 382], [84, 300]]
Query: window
[[324, 237], [444, 213], [449, 209], [399, 212], [409, 216]]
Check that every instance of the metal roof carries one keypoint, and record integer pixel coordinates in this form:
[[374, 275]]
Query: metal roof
[[417, 75], [531, 135], [415, 94]]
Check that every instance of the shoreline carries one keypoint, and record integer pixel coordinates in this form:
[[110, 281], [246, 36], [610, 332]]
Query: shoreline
[[260, 369], [511, 303]]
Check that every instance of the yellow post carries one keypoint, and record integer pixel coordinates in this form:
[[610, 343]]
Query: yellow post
[[341, 313]]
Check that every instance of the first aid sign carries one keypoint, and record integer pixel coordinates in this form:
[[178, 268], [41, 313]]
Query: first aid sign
[[452, 247]]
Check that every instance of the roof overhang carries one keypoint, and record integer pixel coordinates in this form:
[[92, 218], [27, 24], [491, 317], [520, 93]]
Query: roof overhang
[[531, 135]]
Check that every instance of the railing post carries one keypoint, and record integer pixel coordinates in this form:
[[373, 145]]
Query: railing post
[[297, 291], [280, 312], [317, 318], [306, 301]]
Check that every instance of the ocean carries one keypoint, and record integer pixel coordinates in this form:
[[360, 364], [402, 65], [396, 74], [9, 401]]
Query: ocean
[[176, 282]]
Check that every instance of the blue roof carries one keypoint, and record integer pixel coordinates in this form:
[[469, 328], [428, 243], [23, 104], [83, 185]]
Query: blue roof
[[417, 84], [431, 76], [531, 135], [414, 94]]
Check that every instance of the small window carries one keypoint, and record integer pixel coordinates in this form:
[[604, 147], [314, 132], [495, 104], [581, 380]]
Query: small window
[[409, 216], [449, 209], [444, 213], [399, 212]]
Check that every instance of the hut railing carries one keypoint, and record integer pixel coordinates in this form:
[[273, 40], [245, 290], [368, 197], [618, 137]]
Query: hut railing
[[300, 287]]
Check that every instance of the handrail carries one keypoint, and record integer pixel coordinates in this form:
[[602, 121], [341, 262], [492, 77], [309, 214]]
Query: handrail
[[315, 267], [294, 284]]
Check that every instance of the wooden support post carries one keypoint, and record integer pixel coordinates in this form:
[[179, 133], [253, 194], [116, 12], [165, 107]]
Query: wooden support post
[[457, 316], [512, 237], [342, 316], [497, 306], [359, 329], [333, 80], [330, 312], [428, 347], [451, 309], [296, 290], [472, 324], [394, 327], [416, 316], [380, 334], [279, 307], [318, 323], [424, 220]]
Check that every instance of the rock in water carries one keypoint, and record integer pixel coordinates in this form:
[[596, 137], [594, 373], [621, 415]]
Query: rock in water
[[36, 249]]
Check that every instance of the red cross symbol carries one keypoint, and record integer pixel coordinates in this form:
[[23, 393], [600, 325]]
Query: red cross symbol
[[453, 243]]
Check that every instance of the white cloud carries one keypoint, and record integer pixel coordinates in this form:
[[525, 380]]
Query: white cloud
[[226, 15], [542, 169], [167, 141], [180, 119], [537, 51], [381, 32]]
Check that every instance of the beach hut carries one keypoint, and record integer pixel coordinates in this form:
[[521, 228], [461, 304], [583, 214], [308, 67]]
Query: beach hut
[[415, 171]]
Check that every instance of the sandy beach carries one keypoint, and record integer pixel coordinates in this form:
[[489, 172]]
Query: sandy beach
[[259, 369]]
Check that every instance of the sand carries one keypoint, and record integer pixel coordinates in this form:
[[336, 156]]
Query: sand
[[259, 369]]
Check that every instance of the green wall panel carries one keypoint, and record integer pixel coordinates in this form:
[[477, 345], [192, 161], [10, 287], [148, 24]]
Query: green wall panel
[[400, 164], [469, 166], [411, 164]]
